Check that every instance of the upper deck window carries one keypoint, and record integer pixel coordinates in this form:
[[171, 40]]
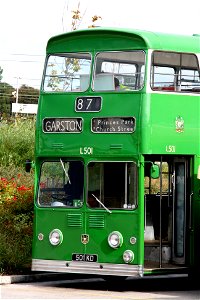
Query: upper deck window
[[121, 71], [172, 71], [68, 72]]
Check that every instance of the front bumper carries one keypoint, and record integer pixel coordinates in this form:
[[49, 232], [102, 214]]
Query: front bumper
[[87, 268]]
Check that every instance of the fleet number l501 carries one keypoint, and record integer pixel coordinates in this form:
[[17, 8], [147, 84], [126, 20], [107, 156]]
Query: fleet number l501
[[170, 148], [86, 150]]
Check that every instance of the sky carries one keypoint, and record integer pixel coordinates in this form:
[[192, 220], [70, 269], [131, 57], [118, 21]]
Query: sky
[[26, 26]]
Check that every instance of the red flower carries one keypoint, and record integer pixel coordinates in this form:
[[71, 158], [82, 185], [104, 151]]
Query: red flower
[[22, 188]]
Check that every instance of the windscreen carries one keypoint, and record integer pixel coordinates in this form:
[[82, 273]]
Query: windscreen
[[61, 184], [112, 185]]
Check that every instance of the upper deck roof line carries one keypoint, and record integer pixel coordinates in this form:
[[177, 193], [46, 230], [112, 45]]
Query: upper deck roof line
[[153, 40]]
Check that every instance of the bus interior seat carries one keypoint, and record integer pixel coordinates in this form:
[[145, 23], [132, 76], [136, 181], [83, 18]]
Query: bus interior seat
[[84, 81], [164, 88], [104, 82]]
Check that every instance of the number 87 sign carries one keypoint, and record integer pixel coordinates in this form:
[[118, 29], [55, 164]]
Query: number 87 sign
[[87, 104]]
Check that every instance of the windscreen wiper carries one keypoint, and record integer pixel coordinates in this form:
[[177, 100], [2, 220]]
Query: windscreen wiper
[[67, 175], [102, 204]]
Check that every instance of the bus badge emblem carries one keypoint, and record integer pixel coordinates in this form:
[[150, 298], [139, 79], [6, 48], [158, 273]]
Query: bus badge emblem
[[179, 124], [84, 238]]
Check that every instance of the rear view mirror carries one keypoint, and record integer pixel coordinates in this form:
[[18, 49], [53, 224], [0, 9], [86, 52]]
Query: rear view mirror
[[198, 172], [155, 171], [28, 165]]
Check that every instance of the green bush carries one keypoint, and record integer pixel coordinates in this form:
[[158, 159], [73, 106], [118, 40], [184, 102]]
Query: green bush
[[16, 142], [16, 196]]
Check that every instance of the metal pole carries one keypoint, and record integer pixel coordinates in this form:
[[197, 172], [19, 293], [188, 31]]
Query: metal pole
[[17, 93]]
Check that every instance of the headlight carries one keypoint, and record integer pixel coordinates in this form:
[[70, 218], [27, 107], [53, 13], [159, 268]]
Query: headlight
[[128, 256], [55, 237], [115, 239]]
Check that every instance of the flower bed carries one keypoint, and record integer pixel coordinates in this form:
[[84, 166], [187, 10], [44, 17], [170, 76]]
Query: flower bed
[[16, 217]]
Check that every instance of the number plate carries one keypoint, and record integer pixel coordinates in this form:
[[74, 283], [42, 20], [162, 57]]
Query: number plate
[[84, 257], [88, 104]]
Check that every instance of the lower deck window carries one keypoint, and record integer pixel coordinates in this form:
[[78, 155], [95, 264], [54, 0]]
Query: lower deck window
[[112, 185], [61, 183]]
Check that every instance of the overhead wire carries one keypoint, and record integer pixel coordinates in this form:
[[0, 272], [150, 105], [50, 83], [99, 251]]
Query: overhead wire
[[19, 59]]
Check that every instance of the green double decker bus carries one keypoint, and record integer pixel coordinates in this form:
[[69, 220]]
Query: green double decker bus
[[117, 154]]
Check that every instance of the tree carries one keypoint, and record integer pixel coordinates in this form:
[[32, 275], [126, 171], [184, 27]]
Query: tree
[[6, 97], [28, 95], [70, 65], [78, 16], [95, 18], [1, 71]]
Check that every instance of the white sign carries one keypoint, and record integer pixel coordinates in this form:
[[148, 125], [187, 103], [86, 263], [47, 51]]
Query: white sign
[[24, 108]]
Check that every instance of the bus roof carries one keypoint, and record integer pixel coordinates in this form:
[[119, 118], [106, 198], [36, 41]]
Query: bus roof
[[150, 40]]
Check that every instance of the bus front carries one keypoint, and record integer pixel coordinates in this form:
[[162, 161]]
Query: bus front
[[89, 173]]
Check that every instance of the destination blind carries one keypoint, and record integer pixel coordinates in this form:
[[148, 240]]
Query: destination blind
[[98, 125], [62, 125], [113, 125]]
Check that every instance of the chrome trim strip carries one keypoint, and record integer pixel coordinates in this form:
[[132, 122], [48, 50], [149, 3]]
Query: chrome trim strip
[[87, 268]]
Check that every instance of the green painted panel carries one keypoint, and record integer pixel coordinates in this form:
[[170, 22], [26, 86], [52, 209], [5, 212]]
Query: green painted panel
[[71, 144], [170, 124], [115, 39]]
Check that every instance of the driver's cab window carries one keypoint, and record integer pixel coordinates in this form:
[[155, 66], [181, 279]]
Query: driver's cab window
[[61, 184]]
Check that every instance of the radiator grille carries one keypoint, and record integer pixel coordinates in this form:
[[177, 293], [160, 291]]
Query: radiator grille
[[96, 221], [75, 220]]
